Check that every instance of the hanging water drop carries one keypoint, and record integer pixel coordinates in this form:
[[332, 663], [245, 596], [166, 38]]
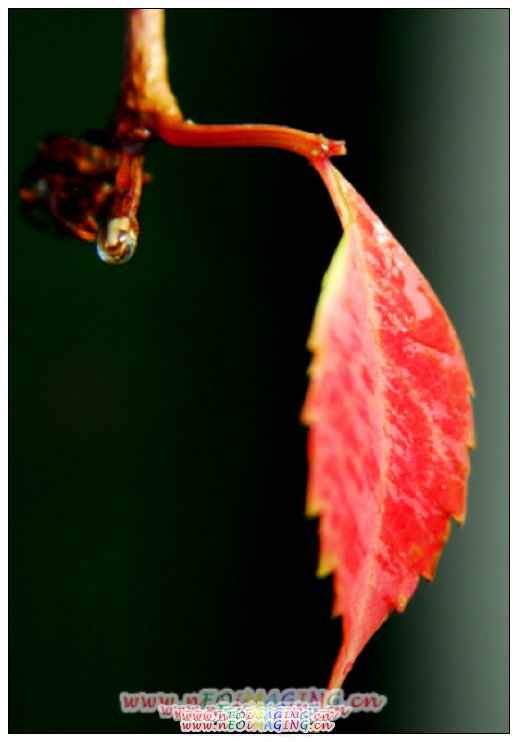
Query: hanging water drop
[[117, 242]]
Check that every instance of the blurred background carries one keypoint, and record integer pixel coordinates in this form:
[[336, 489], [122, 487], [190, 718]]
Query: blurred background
[[158, 468]]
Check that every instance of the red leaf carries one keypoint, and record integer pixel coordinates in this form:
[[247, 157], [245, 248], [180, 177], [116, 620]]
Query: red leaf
[[390, 424]]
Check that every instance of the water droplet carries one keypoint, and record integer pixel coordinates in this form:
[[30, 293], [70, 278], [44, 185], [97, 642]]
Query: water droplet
[[41, 187], [116, 242]]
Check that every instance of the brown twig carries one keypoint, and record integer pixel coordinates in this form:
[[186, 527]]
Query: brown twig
[[146, 109], [145, 89]]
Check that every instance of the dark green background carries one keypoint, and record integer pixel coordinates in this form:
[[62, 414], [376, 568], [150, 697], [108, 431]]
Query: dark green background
[[157, 536]]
